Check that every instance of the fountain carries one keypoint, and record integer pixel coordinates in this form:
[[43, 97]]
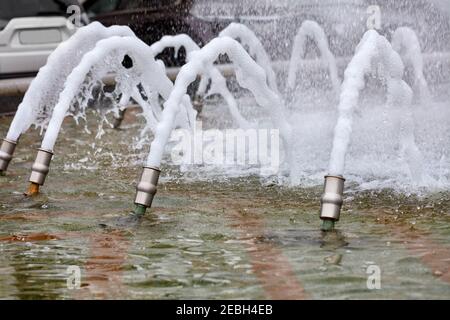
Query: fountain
[[367, 110], [42, 95], [312, 30], [249, 75], [140, 77], [105, 57], [374, 54]]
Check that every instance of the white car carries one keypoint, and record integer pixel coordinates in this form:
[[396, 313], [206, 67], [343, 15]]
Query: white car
[[29, 31]]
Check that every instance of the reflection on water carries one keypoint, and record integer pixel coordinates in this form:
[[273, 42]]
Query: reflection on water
[[228, 239]]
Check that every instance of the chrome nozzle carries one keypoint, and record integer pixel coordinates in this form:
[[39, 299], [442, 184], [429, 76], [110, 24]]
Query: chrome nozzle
[[41, 166], [197, 103], [146, 188], [332, 198], [6, 153]]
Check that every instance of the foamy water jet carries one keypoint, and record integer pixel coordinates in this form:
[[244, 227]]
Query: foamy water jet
[[249, 75], [145, 71], [374, 55], [37, 105]]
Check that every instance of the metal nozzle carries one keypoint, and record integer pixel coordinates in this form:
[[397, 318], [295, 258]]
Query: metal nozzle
[[119, 118], [331, 201], [146, 188], [197, 103], [6, 153], [40, 167]]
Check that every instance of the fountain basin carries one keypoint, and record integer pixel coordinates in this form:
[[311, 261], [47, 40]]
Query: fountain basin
[[332, 198], [223, 237]]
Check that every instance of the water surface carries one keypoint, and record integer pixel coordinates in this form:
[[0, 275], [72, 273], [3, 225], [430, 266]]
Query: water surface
[[223, 238]]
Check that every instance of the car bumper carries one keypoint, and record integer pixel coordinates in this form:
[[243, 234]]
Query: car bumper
[[23, 61]]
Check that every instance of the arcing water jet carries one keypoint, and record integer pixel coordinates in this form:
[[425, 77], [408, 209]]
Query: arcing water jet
[[374, 53], [43, 93], [145, 79], [147, 72], [312, 30], [249, 75], [218, 82]]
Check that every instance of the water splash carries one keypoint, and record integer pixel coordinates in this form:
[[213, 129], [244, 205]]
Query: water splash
[[218, 84]]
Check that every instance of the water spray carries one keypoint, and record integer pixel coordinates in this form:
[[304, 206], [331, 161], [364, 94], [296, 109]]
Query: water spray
[[146, 189], [39, 171], [331, 201], [6, 154]]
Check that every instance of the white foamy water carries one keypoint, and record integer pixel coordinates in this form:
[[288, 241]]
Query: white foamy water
[[43, 94]]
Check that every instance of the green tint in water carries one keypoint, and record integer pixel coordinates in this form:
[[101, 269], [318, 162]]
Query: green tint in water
[[139, 209], [327, 225], [231, 240]]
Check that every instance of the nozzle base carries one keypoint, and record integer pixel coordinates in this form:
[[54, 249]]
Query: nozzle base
[[6, 153], [332, 198], [41, 167], [146, 188]]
